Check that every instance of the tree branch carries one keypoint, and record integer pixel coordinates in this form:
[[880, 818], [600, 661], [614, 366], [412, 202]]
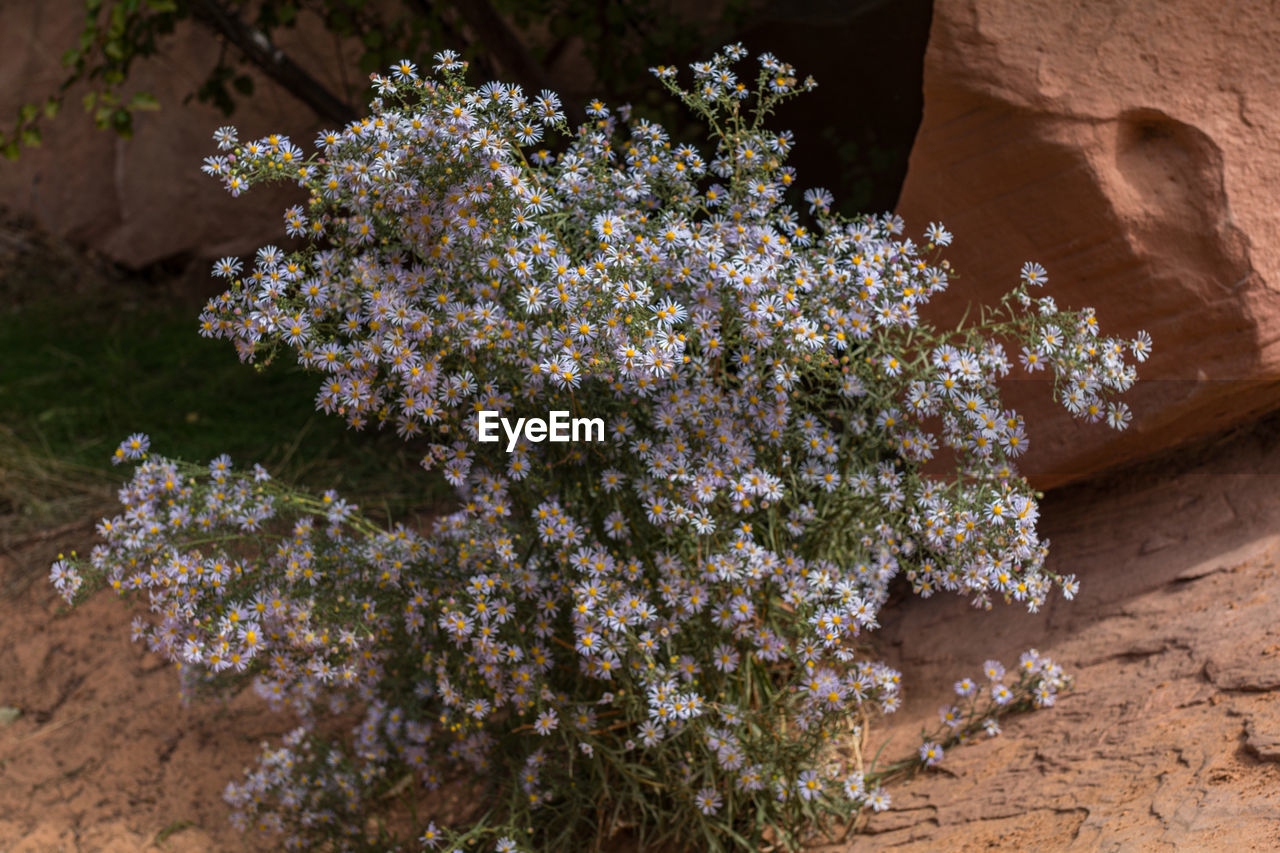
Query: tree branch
[[272, 61]]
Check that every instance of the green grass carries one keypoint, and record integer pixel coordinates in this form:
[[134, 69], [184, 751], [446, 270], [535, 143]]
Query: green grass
[[75, 380]]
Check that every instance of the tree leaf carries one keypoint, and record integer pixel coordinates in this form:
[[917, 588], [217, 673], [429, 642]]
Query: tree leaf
[[144, 101], [122, 123]]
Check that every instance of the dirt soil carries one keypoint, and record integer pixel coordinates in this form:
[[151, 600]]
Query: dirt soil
[[1170, 740], [104, 756]]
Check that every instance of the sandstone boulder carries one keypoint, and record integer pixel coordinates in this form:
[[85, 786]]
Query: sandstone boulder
[[145, 200], [1132, 150]]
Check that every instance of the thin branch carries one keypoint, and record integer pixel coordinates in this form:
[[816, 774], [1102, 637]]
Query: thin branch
[[277, 65]]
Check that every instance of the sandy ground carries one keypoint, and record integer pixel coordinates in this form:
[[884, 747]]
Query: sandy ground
[[104, 756], [1170, 740]]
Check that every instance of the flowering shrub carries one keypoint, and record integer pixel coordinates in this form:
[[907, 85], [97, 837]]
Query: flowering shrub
[[665, 632]]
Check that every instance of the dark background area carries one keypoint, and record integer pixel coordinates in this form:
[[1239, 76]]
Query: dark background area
[[854, 132]]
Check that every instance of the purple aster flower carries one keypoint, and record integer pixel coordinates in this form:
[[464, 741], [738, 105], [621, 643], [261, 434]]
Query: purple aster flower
[[809, 784], [708, 800], [930, 753]]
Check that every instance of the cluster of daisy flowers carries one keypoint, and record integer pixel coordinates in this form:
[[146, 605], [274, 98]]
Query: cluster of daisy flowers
[[675, 618], [1036, 682]]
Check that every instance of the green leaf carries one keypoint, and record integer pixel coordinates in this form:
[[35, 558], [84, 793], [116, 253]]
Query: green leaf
[[31, 137], [91, 7], [27, 112], [10, 151], [51, 107], [243, 84], [144, 101], [122, 123], [162, 6], [173, 828]]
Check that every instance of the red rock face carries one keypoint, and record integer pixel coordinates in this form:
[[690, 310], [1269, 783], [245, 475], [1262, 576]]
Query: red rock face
[[143, 200], [1125, 147]]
